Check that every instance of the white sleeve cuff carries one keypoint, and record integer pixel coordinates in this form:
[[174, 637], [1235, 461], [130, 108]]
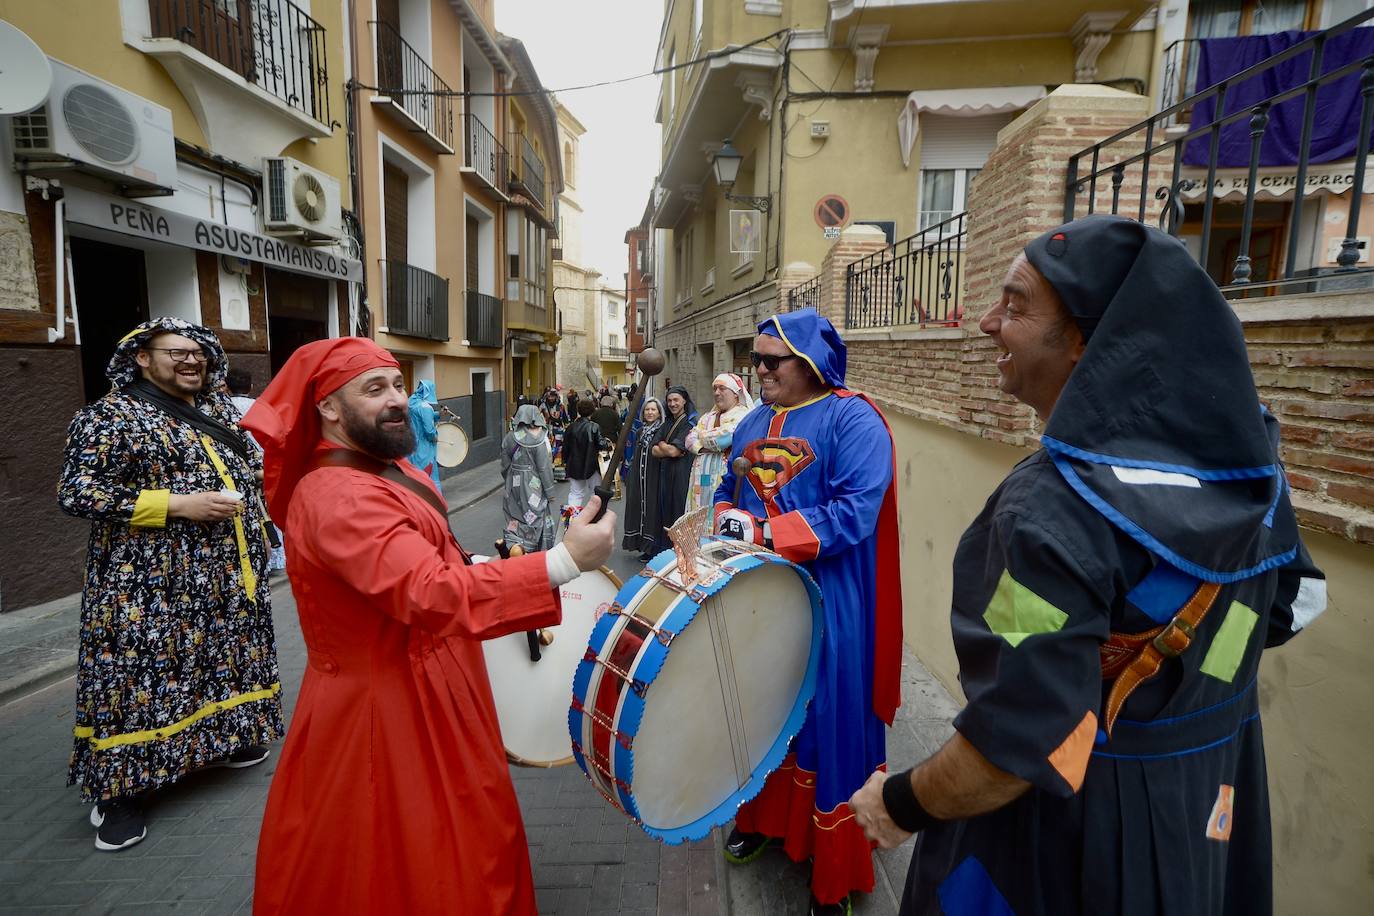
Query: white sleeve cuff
[[560, 566]]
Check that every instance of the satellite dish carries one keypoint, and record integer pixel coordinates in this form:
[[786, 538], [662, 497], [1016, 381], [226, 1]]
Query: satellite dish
[[25, 74]]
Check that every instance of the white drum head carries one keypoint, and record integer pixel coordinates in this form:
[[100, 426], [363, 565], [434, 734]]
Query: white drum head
[[742, 659], [452, 446], [532, 697]]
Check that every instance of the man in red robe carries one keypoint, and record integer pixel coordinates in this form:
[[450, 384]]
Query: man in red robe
[[393, 793]]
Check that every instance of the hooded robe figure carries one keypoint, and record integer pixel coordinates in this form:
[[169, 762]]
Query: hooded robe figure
[[393, 794], [424, 423], [1159, 482], [821, 482], [527, 467], [641, 481], [178, 659], [674, 474]]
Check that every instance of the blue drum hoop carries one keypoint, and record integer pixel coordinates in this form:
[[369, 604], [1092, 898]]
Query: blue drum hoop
[[648, 663]]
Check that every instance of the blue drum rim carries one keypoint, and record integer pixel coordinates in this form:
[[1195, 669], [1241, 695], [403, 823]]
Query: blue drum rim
[[651, 662]]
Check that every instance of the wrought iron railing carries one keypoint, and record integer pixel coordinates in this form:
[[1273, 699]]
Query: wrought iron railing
[[615, 353], [918, 280], [807, 295], [272, 44], [526, 171], [1179, 76], [1140, 172], [484, 320], [483, 152], [416, 301], [416, 89]]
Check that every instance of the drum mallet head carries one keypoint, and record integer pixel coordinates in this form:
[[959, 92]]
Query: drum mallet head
[[741, 466], [651, 361]]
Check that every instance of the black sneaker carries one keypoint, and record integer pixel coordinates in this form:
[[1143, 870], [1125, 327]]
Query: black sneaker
[[745, 847], [119, 823], [830, 909], [244, 757]]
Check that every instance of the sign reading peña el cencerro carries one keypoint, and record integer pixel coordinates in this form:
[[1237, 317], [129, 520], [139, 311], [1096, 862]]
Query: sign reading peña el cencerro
[[132, 218]]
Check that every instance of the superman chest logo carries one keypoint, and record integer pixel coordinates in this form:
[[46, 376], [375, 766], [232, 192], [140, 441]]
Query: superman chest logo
[[776, 462]]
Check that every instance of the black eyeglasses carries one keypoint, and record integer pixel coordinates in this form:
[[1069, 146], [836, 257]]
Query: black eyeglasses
[[768, 360], [178, 355]]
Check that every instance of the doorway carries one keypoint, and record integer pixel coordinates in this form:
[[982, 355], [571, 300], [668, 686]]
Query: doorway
[[114, 277], [297, 313]]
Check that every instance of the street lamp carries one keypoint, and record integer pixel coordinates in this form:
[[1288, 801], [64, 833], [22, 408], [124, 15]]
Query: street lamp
[[726, 165]]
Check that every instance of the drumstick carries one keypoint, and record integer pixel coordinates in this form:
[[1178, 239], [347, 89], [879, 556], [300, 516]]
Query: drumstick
[[741, 466], [535, 638], [650, 363]]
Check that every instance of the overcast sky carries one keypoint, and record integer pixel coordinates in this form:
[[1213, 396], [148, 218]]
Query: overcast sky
[[586, 41]]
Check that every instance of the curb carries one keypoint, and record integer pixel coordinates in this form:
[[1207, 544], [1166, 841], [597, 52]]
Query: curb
[[35, 679]]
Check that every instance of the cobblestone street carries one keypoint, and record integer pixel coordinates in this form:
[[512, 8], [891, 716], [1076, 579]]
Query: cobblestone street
[[199, 856]]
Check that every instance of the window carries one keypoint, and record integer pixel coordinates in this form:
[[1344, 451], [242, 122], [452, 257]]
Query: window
[[944, 193], [569, 165], [641, 310], [513, 221], [481, 381], [670, 85], [696, 24], [682, 260]]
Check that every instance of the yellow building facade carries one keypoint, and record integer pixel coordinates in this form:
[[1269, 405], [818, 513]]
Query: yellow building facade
[[842, 113]]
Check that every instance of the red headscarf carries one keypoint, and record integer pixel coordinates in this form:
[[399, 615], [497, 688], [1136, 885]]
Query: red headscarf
[[285, 421]]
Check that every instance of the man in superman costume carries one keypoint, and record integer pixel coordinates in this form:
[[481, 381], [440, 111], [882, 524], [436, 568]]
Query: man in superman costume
[[821, 494]]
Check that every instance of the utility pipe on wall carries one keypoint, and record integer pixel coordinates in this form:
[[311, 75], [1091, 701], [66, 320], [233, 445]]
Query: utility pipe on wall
[[59, 210]]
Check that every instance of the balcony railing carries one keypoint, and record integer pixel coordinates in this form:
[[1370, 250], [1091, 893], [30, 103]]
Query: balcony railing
[[484, 154], [272, 44], [526, 171], [484, 320], [807, 295], [615, 354], [415, 89], [918, 280], [1180, 75], [1140, 171], [416, 301]]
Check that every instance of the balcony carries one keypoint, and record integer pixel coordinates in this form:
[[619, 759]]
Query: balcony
[[614, 354], [917, 281], [526, 171], [914, 20], [416, 301], [254, 71], [484, 320], [414, 93], [483, 154]]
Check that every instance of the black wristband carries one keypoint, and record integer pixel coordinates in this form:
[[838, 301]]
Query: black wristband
[[903, 806]]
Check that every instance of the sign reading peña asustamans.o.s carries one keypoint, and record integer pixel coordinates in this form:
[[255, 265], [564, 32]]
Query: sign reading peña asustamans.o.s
[[129, 217]]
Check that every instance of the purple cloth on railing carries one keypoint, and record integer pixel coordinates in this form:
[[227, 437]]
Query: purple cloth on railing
[[1337, 125]]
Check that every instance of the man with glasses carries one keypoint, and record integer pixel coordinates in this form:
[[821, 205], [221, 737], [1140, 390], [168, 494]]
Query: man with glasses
[[820, 493], [177, 666]]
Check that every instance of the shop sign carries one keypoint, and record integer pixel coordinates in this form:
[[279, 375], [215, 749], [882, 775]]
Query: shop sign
[[130, 217], [1234, 183]]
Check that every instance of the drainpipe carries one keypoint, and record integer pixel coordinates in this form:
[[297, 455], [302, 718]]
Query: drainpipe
[[59, 210], [355, 167]]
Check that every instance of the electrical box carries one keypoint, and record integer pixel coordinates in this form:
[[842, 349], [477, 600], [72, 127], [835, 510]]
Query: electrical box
[[820, 130]]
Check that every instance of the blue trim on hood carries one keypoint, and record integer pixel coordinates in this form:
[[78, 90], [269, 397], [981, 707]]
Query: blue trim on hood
[[1153, 544], [1055, 446]]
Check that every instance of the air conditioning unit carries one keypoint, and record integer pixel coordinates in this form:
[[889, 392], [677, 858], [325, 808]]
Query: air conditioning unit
[[94, 127], [300, 200]]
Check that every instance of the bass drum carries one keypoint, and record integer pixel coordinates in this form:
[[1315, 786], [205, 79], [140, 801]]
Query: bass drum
[[452, 446], [532, 697]]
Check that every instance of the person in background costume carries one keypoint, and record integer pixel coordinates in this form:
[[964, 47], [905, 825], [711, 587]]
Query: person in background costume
[[178, 659], [710, 439], [527, 468], [641, 478], [240, 385], [393, 793], [607, 418], [424, 423], [821, 494], [674, 465], [1110, 607]]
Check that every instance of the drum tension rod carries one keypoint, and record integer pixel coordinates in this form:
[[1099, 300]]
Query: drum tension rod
[[600, 718], [639, 687], [665, 637]]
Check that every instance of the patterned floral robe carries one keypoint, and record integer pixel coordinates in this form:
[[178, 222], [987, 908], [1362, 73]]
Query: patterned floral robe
[[178, 662]]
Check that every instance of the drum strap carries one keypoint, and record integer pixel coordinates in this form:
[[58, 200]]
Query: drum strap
[[387, 470], [1134, 658]]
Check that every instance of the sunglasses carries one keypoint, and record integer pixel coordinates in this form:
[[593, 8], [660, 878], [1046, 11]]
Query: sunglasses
[[768, 360]]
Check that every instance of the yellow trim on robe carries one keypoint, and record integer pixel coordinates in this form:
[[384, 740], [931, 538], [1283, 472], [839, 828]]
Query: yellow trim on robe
[[154, 734], [250, 578], [150, 510], [782, 335], [820, 397]]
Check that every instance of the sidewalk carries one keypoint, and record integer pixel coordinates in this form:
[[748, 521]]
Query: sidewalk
[[38, 644]]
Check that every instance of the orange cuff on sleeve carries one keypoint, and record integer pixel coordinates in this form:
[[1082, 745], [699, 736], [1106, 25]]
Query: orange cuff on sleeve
[[793, 538], [1070, 759]]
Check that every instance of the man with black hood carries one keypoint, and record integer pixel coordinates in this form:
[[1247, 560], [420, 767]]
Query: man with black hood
[[1110, 607]]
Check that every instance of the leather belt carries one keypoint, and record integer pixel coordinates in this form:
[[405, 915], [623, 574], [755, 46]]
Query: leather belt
[[1134, 658]]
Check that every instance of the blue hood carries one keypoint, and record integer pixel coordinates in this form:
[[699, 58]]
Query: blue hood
[[811, 336]]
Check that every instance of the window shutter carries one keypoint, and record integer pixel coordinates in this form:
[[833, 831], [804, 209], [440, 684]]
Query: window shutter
[[959, 143]]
